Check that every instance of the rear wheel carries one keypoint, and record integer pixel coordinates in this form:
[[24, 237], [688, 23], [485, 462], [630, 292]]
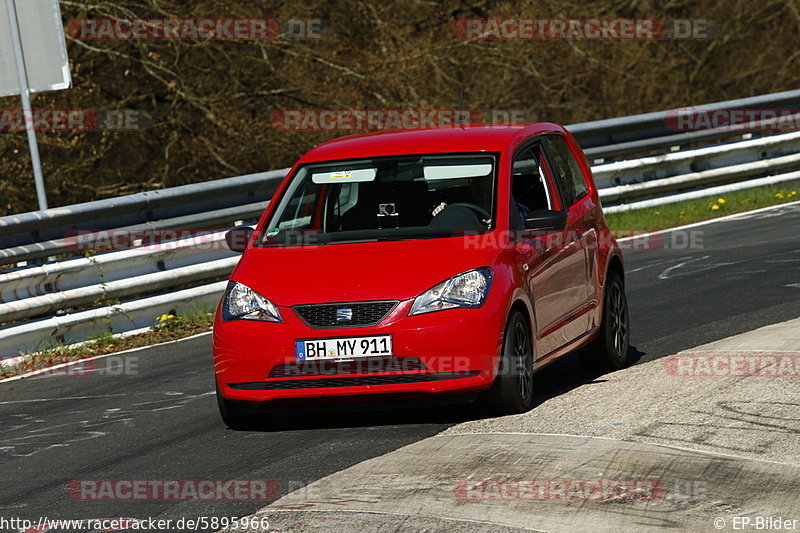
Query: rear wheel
[[512, 391], [235, 418], [609, 351]]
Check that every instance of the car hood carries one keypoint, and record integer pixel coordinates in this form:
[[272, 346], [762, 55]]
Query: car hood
[[396, 270]]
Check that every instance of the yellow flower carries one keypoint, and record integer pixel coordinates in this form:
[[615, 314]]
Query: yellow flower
[[793, 193], [715, 207], [658, 212], [720, 200], [164, 318], [779, 195]]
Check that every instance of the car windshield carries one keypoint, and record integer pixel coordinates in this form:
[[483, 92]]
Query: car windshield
[[389, 198]]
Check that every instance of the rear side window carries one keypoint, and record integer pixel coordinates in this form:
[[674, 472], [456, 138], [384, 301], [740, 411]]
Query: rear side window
[[567, 172], [528, 187]]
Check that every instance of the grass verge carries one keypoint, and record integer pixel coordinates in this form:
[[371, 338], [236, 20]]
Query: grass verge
[[165, 328], [698, 210]]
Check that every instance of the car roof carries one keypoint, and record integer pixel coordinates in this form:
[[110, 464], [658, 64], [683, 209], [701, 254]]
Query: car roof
[[452, 139]]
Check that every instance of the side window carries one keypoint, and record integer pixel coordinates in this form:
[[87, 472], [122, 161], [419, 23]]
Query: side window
[[566, 170], [528, 187]]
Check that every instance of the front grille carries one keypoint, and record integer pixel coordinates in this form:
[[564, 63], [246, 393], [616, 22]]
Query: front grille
[[354, 381], [345, 314], [329, 367]]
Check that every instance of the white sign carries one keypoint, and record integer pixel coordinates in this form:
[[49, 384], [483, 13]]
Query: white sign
[[449, 172], [345, 176], [43, 46]]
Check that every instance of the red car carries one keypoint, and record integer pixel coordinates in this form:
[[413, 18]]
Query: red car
[[421, 263]]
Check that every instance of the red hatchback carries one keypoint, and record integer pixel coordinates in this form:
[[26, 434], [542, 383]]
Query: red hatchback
[[420, 263]]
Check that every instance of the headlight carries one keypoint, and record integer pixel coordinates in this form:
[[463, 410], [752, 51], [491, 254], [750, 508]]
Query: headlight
[[243, 303], [469, 289]]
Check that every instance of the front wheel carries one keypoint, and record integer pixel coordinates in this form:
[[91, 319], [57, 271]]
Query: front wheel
[[609, 351], [512, 391]]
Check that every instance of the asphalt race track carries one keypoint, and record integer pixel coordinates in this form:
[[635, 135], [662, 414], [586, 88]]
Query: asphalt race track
[[161, 421]]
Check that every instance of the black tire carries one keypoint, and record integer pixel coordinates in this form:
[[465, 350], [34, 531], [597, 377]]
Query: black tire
[[512, 391], [235, 418], [609, 350]]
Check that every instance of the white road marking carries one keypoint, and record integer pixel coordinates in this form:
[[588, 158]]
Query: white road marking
[[34, 435], [67, 398], [653, 264], [70, 398], [683, 448], [666, 272]]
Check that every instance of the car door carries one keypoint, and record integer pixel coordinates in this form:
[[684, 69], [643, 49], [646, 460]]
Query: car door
[[556, 262], [578, 239]]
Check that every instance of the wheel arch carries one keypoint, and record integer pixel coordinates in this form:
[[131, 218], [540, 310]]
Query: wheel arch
[[523, 306], [615, 265]]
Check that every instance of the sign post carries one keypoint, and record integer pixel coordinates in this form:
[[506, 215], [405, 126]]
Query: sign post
[[22, 79], [38, 53]]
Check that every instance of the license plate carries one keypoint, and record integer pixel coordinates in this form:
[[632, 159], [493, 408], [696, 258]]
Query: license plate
[[344, 348]]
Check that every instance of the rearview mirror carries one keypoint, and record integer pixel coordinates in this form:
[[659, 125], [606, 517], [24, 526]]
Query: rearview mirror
[[546, 220], [238, 237]]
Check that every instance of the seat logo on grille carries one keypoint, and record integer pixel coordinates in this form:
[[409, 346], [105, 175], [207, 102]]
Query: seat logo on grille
[[344, 315]]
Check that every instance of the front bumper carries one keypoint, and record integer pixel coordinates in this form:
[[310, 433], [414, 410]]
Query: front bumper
[[446, 352]]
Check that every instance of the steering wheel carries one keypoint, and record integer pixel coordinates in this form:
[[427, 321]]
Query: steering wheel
[[482, 213]]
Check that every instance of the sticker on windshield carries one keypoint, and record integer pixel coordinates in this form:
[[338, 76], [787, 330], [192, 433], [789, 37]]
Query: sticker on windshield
[[449, 172], [345, 175]]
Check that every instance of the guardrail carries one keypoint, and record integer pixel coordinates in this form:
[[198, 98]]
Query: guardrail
[[602, 139], [702, 167], [201, 205], [160, 278]]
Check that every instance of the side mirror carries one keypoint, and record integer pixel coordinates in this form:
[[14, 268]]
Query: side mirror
[[546, 220], [238, 237]]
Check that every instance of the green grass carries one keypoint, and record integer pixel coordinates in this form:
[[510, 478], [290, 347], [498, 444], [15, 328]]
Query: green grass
[[165, 328], [698, 210]]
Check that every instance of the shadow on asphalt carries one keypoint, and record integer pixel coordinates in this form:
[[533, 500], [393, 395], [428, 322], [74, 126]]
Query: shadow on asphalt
[[569, 373], [560, 377]]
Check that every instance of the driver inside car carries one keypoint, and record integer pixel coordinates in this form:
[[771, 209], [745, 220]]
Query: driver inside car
[[481, 195]]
